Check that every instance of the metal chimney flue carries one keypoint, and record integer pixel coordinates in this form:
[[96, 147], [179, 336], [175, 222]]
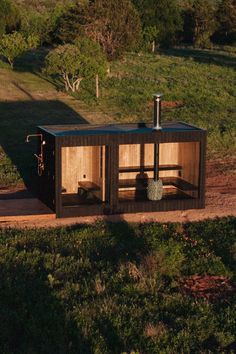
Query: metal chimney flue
[[157, 111]]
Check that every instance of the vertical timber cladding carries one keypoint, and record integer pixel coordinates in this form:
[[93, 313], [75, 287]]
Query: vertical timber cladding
[[202, 169], [47, 182], [181, 147]]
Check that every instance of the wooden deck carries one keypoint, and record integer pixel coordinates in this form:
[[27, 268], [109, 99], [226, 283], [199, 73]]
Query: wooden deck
[[30, 209]]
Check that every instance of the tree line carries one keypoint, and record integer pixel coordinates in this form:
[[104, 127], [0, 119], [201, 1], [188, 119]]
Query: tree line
[[118, 25], [94, 31]]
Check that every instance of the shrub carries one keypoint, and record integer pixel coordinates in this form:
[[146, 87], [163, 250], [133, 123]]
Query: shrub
[[74, 62], [13, 45]]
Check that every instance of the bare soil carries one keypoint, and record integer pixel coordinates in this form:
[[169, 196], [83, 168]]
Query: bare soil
[[168, 104], [208, 287]]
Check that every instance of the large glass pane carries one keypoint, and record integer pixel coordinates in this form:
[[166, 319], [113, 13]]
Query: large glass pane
[[83, 175]]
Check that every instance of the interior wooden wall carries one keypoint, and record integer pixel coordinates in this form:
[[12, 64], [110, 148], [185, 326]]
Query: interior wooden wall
[[88, 163], [129, 155], [83, 163], [169, 156], [189, 158]]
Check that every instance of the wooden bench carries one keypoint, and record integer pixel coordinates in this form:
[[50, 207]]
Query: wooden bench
[[140, 183], [87, 188], [149, 168]]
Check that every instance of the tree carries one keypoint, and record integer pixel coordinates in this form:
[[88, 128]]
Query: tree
[[13, 45], [74, 62], [9, 17], [226, 17], [41, 21], [200, 22], [70, 24], [150, 34], [114, 24], [204, 21], [165, 15]]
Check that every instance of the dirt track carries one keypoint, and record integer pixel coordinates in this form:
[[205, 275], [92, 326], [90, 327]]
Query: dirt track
[[220, 201]]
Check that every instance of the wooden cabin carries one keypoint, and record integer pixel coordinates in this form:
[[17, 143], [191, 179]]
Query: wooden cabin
[[105, 169]]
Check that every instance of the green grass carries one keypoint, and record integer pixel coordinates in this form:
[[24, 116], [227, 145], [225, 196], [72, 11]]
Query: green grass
[[26, 101], [115, 288], [204, 80]]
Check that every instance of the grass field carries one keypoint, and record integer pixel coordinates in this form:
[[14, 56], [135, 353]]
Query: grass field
[[202, 81], [117, 288]]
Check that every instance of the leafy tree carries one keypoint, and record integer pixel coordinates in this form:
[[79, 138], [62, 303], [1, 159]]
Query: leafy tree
[[70, 24], [114, 24], [74, 62], [150, 34], [226, 17], [200, 22], [204, 21], [9, 17], [41, 23], [40, 6], [165, 15], [13, 45]]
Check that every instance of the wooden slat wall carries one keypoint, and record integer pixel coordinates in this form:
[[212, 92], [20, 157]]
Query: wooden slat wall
[[82, 164], [131, 155], [169, 156], [189, 157]]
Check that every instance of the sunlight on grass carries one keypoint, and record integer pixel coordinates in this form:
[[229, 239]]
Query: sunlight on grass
[[203, 81]]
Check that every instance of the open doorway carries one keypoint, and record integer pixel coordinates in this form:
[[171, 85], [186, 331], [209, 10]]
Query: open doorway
[[83, 175]]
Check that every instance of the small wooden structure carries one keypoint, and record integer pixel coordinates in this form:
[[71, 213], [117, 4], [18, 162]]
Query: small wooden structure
[[104, 169]]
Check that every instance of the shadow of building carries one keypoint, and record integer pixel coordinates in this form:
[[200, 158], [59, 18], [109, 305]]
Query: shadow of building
[[21, 118]]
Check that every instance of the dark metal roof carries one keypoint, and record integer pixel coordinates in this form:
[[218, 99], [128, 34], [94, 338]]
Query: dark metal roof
[[127, 128]]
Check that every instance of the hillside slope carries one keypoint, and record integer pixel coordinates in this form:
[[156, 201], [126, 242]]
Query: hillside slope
[[201, 84]]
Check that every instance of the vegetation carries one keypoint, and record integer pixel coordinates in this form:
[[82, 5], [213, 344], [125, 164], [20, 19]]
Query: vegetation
[[226, 18], [116, 288], [201, 82], [39, 24], [13, 45], [9, 17], [169, 22], [204, 23], [116, 31], [163, 15], [76, 62]]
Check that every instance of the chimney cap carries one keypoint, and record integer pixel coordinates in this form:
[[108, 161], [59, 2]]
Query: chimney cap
[[157, 95]]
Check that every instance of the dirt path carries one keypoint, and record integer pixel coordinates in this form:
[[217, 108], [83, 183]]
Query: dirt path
[[220, 202]]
